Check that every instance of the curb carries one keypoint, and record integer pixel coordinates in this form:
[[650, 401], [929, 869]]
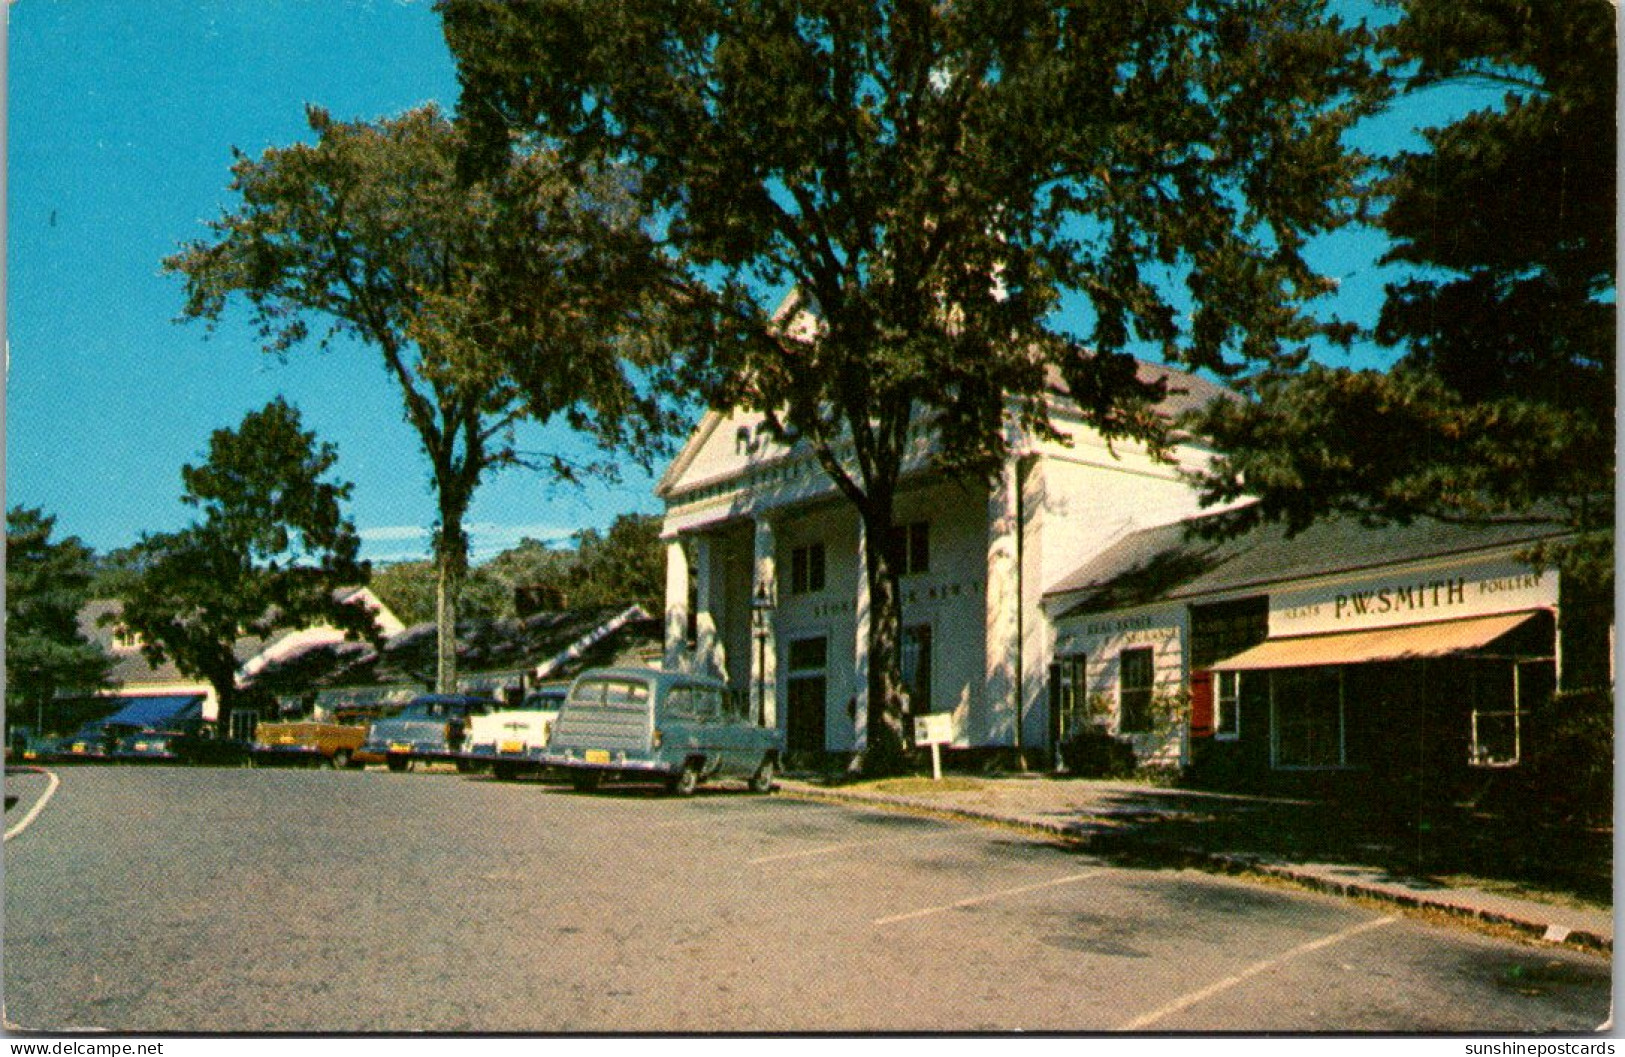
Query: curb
[[1542, 931]]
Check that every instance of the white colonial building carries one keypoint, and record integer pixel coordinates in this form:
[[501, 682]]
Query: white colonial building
[[765, 581]]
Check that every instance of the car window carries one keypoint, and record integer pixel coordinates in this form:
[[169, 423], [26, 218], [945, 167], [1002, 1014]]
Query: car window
[[626, 694], [707, 702]]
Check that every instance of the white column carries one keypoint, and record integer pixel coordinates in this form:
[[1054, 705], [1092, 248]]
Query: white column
[[764, 638], [860, 647], [707, 650], [1003, 602], [676, 605]]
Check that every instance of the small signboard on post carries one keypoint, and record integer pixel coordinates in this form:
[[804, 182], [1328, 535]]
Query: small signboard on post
[[935, 729]]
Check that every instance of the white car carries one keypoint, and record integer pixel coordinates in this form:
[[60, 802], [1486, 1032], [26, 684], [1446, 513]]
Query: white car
[[511, 741]]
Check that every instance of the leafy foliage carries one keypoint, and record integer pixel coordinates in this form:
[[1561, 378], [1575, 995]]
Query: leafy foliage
[[491, 302], [1502, 404], [624, 565], [271, 551], [47, 583], [930, 180]]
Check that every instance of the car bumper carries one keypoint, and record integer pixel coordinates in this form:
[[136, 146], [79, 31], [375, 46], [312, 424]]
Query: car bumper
[[614, 765]]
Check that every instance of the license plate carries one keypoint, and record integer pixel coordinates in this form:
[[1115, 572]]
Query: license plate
[[396, 746], [597, 756], [511, 746], [79, 746], [285, 740]]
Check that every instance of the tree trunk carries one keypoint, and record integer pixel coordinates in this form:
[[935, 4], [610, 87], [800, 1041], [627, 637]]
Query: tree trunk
[[451, 561], [887, 736]]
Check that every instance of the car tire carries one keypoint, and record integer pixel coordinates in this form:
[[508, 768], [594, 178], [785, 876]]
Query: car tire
[[762, 780], [339, 760], [505, 772], [397, 763], [585, 781], [684, 782]]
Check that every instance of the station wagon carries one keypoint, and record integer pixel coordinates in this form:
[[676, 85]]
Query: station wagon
[[682, 729]]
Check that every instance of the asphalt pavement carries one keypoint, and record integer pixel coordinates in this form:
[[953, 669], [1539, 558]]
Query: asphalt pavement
[[1134, 817], [178, 900]]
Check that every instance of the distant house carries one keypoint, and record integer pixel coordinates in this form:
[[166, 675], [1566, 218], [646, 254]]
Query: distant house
[[134, 679], [501, 658]]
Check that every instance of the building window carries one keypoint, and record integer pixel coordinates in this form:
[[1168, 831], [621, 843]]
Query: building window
[[1497, 716], [1227, 705], [1306, 706], [807, 569], [1068, 694], [917, 667], [1134, 678], [914, 548]]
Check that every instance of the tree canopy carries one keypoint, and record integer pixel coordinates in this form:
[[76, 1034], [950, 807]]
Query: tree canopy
[[932, 180], [47, 584], [1501, 404], [492, 302], [272, 550]]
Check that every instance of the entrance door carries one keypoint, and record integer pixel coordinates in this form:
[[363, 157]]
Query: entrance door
[[807, 686]]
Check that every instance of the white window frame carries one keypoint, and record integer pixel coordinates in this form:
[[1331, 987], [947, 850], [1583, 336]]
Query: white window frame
[[1477, 755], [1342, 763], [1220, 708]]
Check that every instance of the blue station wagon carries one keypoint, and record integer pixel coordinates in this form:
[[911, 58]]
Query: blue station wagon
[[683, 729]]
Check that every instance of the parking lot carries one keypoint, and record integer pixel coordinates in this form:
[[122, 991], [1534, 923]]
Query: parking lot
[[209, 899]]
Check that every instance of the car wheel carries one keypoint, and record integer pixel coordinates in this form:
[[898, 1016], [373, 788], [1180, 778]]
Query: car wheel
[[397, 763], [339, 760], [505, 772], [762, 780], [585, 781], [684, 782], [466, 766]]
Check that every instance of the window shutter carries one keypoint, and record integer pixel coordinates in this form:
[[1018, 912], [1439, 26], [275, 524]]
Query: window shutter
[[1201, 704]]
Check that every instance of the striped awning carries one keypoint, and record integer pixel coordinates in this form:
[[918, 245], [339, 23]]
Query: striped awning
[[1413, 641]]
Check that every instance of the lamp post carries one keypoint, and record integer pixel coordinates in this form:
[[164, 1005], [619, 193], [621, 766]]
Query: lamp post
[[761, 614]]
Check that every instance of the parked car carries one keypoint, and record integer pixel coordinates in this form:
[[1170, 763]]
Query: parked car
[[91, 743], [141, 745], [201, 744], [511, 740], [431, 727], [308, 741], [683, 729]]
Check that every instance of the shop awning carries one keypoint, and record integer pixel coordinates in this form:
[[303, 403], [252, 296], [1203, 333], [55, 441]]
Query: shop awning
[[1383, 644]]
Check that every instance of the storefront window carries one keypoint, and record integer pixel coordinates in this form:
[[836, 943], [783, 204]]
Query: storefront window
[[807, 569], [1497, 713], [1134, 690], [1307, 708]]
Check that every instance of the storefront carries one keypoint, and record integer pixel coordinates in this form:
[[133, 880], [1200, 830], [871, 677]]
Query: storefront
[[1345, 653]]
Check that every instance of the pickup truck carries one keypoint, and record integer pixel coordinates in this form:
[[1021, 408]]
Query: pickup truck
[[308, 741], [511, 741]]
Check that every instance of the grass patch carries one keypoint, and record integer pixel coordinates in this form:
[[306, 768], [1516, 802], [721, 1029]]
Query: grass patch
[[921, 786], [1521, 890]]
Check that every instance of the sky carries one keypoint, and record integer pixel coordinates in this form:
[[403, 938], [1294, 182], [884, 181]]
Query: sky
[[121, 119]]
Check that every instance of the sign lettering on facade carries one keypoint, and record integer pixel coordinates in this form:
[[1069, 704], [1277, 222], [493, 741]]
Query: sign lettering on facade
[[1495, 587]]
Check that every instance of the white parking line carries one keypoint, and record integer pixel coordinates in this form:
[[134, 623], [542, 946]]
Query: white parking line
[[892, 920], [39, 805], [827, 849], [1163, 1012]]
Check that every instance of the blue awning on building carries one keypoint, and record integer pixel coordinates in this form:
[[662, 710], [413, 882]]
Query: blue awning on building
[[155, 711]]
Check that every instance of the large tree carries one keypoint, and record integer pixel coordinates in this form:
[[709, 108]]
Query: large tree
[[491, 302], [271, 551], [931, 179], [1501, 403], [47, 584]]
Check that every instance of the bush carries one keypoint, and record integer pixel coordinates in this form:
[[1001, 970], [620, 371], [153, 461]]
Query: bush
[[1092, 752], [1568, 768]]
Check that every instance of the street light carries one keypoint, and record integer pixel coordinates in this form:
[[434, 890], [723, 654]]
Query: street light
[[761, 617]]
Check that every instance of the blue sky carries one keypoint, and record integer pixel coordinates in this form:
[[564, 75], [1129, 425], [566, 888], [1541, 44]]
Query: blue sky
[[121, 120]]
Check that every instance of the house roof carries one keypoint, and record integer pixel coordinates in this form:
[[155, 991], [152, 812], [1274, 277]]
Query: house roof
[[1172, 562], [1185, 392], [484, 646]]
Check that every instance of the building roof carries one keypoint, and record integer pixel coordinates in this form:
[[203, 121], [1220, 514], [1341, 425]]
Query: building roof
[[1173, 562]]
